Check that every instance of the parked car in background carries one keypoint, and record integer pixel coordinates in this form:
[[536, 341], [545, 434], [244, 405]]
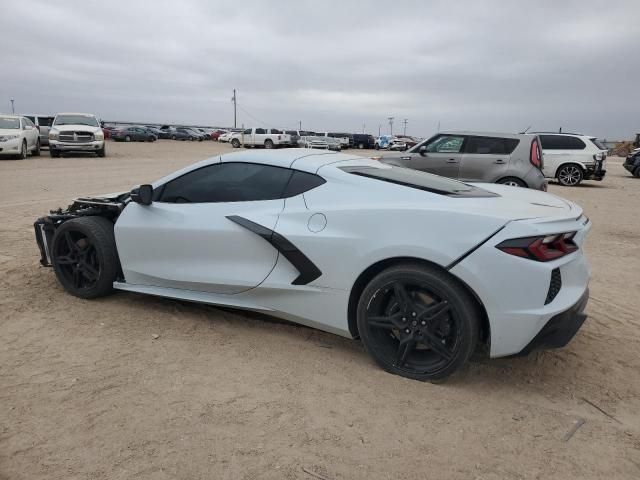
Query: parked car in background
[[19, 136], [363, 140], [346, 140], [225, 137], [397, 145], [261, 137], [159, 132], [134, 133], [632, 163], [325, 143], [505, 158], [571, 158], [76, 132], [383, 141], [43, 124], [215, 135]]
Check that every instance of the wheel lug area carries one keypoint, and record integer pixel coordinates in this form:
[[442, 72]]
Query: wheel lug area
[[406, 330], [423, 323], [414, 323], [413, 314]]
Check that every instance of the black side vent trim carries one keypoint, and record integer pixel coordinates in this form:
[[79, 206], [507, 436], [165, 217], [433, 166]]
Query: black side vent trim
[[308, 270], [554, 286]]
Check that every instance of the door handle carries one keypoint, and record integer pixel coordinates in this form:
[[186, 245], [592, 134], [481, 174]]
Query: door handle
[[500, 161], [452, 160]]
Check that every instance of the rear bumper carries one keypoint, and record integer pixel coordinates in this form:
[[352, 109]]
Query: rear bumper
[[595, 172], [561, 328]]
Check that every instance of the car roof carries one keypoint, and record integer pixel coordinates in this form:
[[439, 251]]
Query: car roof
[[486, 134], [566, 134], [75, 113], [10, 115]]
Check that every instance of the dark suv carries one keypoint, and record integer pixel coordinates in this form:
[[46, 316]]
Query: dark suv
[[632, 163], [363, 140], [506, 158]]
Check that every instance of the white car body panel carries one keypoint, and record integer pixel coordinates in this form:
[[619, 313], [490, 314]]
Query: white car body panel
[[194, 252], [26, 133]]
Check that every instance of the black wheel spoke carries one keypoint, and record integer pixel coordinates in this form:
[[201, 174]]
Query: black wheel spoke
[[89, 272], [402, 296], [434, 343], [435, 311], [65, 260], [405, 347], [391, 322], [77, 277], [71, 245]]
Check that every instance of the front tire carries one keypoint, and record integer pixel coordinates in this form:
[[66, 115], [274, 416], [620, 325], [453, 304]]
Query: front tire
[[36, 151], [636, 173], [84, 256], [127, 138], [102, 152], [23, 151], [361, 146], [235, 143], [418, 322], [53, 153], [268, 144], [570, 175]]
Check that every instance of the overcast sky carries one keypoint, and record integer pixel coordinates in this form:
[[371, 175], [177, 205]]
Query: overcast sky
[[481, 65]]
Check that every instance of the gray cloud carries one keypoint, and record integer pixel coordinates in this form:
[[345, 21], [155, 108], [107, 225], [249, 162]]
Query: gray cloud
[[486, 65]]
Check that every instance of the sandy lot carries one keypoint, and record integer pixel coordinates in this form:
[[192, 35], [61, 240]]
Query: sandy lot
[[86, 392]]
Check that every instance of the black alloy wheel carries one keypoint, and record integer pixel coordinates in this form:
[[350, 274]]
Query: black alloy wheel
[[84, 256], [418, 322]]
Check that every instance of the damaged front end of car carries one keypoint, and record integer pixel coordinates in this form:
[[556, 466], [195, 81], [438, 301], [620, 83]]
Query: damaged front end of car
[[108, 206]]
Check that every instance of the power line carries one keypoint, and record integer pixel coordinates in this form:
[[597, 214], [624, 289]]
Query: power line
[[251, 116]]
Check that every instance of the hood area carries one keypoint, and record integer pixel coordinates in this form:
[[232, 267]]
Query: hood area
[[76, 128]]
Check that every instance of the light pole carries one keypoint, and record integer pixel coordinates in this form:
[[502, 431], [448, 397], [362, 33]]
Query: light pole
[[405, 126], [13, 110], [363, 125], [234, 100], [299, 124], [390, 125], [379, 127]]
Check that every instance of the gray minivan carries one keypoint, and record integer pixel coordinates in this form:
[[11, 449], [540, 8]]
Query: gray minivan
[[509, 159], [43, 122]]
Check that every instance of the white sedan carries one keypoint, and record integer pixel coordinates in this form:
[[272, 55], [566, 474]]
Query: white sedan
[[18, 137], [421, 268]]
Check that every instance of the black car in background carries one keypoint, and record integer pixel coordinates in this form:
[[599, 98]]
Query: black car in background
[[632, 163], [159, 132], [133, 134], [363, 140]]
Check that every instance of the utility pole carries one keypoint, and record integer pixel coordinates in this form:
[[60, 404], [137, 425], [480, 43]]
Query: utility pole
[[13, 110], [363, 125], [390, 125], [405, 126], [379, 127], [299, 124], [234, 100]]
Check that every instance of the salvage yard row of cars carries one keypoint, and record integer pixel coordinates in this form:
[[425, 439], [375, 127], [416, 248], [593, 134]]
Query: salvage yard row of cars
[[569, 158]]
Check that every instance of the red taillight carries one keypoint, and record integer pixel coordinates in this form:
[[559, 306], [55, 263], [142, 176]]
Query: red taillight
[[541, 249], [535, 156]]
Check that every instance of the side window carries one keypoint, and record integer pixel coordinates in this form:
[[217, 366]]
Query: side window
[[45, 121], [247, 131], [228, 182], [446, 144], [260, 131], [490, 145], [561, 142], [302, 182], [33, 119], [26, 121], [276, 131]]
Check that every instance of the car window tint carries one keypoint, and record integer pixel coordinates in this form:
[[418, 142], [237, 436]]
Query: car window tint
[[490, 145], [301, 182], [276, 131], [561, 142], [260, 131], [33, 119], [598, 143], [446, 144], [45, 121], [228, 182]]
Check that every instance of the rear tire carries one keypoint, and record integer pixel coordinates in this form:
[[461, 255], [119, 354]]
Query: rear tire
[[36, 151], [173, 137], [84, 256], [361, 146], [418, 322], [512, 182], [127, 138], [570, 175]]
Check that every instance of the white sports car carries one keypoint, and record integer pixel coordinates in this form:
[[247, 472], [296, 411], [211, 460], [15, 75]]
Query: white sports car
[[422, 268]]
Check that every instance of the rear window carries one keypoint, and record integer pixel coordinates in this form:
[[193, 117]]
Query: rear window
[[598, 143], [561, 142], [491, 145], [419, 180], [45, 121]]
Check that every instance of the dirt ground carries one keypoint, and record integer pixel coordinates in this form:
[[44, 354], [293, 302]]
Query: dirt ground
[[86, 392]]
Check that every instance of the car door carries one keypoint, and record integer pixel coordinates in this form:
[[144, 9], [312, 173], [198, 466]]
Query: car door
[[441, 156], [259, 136], [203, 230], [31, 132], [485, 159]]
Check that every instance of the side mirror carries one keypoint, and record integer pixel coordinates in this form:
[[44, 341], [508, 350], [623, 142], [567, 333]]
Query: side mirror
[[422, 150], [142, 195]]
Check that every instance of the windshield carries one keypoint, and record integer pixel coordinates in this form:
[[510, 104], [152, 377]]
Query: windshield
[[419, 180], [88, 120], [10, 123]]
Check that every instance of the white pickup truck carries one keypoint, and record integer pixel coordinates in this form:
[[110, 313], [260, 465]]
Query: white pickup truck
[[262, 137]]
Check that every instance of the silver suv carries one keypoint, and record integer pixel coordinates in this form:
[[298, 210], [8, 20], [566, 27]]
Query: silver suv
[[506, 158]]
